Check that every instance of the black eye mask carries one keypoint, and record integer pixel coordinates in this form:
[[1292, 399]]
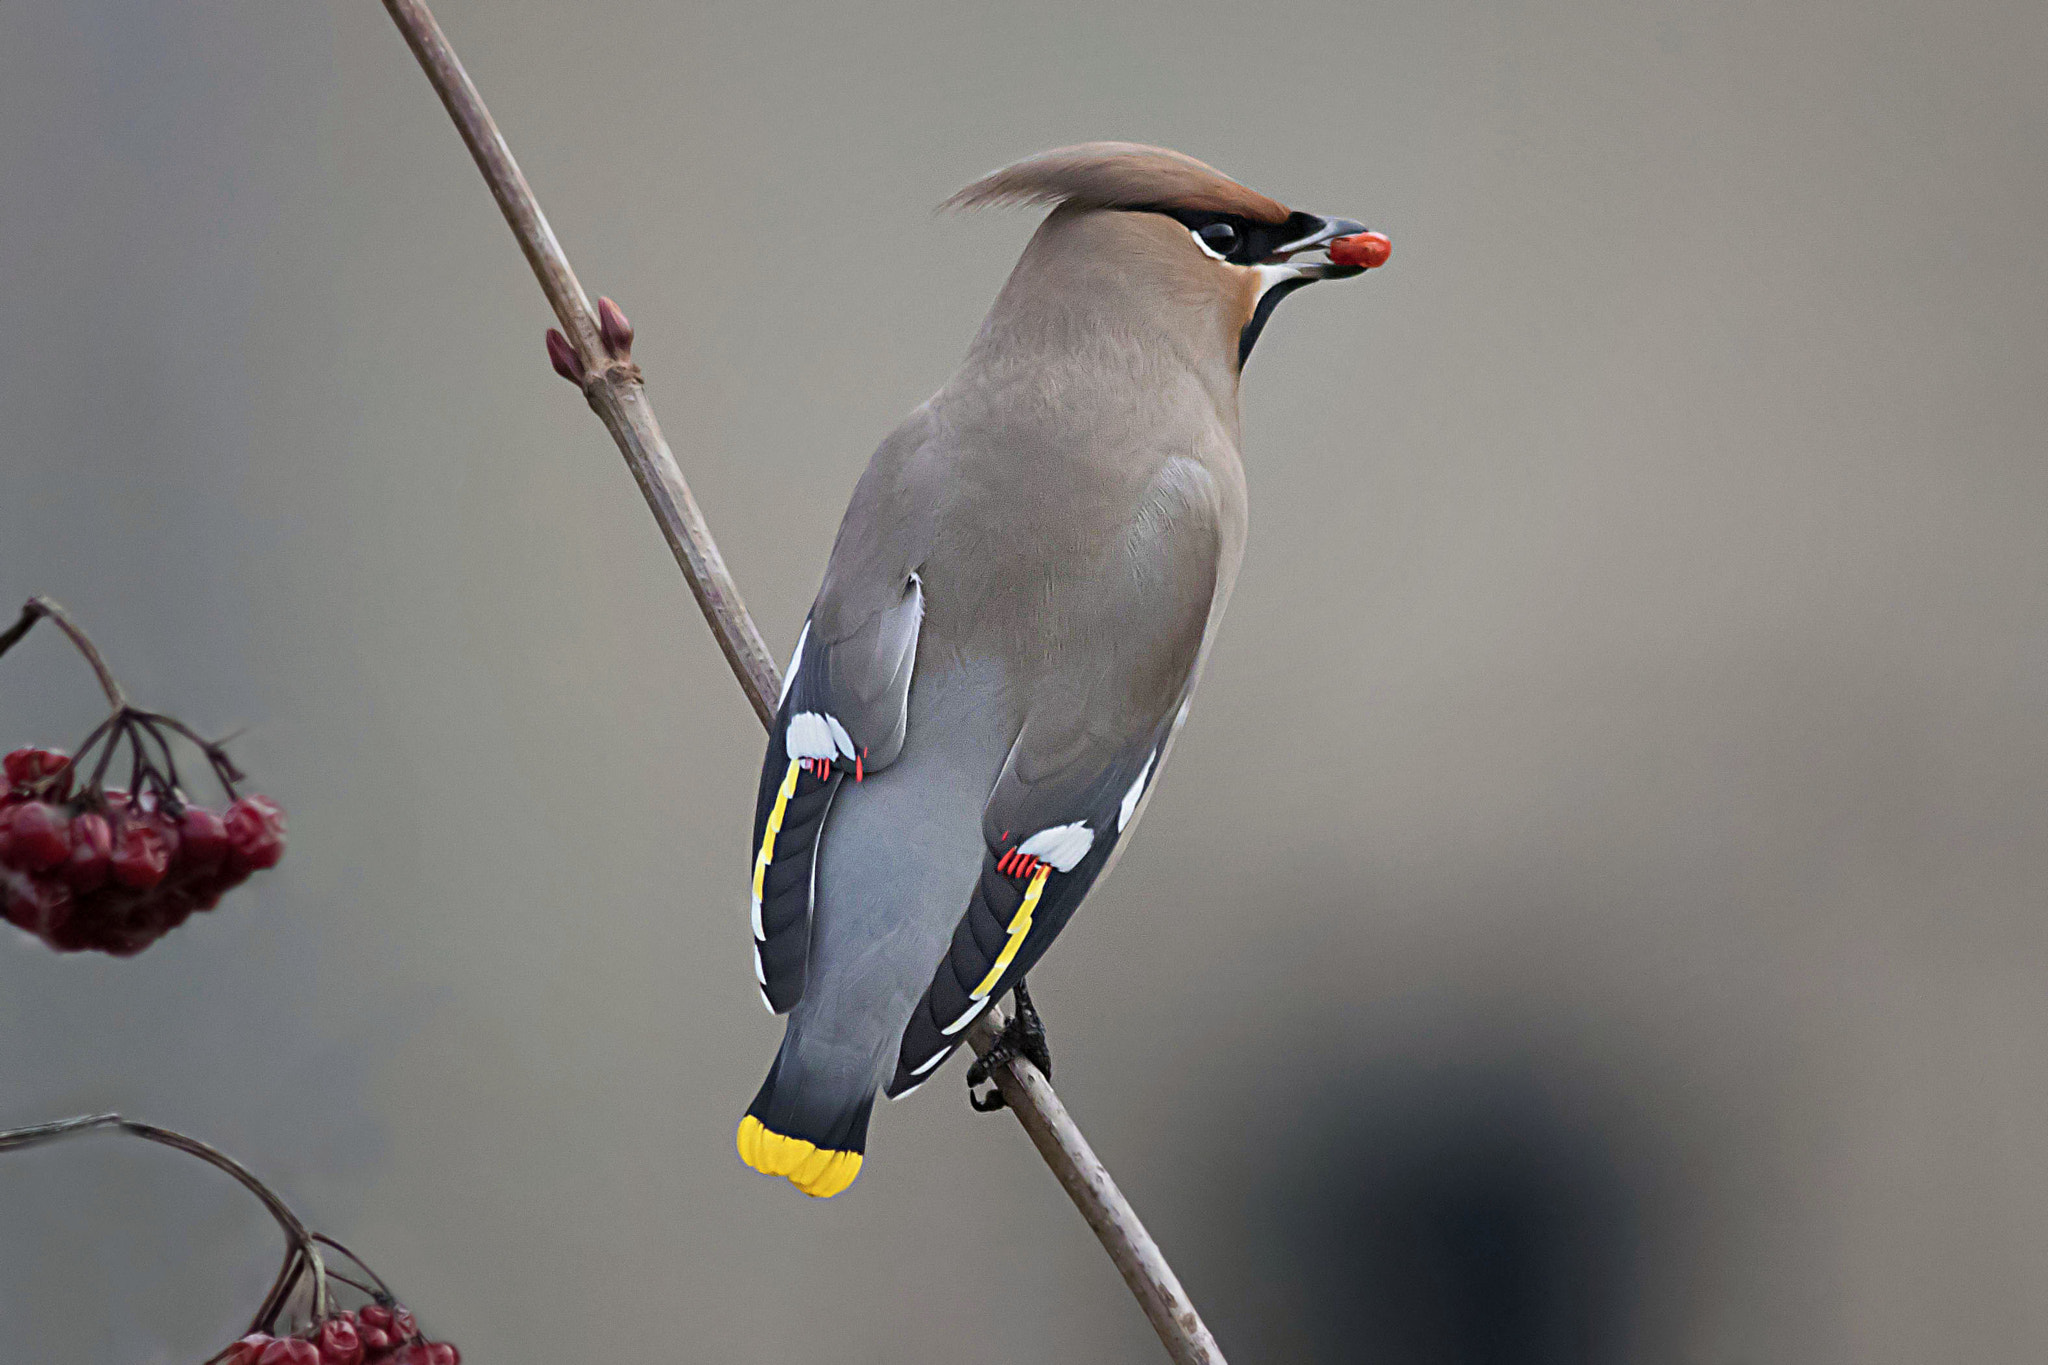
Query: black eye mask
[[1240, 240]]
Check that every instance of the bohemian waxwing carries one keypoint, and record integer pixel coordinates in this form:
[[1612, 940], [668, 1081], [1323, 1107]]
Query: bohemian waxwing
[[1012, 620]]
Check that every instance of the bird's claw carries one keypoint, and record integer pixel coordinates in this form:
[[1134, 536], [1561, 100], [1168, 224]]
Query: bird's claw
[[1023, 1036]]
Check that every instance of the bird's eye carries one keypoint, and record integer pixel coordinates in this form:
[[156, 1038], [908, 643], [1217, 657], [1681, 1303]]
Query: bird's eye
[[1219, 238]]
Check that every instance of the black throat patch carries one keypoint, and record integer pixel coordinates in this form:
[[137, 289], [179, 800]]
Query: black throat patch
[[1268, 301]]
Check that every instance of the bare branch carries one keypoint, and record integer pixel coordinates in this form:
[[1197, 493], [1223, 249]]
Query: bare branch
[[596, 354], [610, 382], [1088, 1183]]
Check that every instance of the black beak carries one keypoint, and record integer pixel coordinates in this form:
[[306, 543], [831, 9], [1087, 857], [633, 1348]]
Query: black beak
[[1283, 276], [1327, 231]]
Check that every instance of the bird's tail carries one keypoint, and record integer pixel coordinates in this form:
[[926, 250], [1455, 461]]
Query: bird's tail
[[811, 1133]]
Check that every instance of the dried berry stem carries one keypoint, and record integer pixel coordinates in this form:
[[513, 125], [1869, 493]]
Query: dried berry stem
[[611, 382], [300, 1255], [365, 1290], [38, 608], [137, 727], [382, 1293], [224, 768]]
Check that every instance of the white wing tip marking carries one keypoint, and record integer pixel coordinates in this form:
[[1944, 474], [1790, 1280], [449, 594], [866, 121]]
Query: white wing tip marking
[[931, 1062], [1063, 846], [813, 734], [766, 1003], [796, 661], [1129, 806], [974, 1007]]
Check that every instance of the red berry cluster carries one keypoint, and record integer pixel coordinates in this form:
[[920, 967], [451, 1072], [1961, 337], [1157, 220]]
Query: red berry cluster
[[372, 1335], [112, 872]]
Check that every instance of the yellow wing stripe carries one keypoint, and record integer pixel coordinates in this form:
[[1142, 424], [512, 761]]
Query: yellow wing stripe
[[817, 1171], [1019, 927], [767, 854]]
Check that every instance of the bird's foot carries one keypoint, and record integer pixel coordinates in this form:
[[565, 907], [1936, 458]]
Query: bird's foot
[[1023, 1036]]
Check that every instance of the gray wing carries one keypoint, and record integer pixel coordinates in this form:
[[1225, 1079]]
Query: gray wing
[[845, 703], [1092, 743]]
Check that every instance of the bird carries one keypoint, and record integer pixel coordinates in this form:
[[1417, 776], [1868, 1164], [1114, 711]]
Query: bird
[[1012, 620]]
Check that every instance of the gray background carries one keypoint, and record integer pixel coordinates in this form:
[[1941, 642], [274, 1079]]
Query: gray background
[[1597, 912]]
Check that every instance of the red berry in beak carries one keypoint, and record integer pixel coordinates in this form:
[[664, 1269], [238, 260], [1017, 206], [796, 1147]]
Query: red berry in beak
[[1369, 249]]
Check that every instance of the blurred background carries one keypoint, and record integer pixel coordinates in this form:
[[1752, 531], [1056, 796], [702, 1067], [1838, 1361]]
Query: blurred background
[[1607, 866]]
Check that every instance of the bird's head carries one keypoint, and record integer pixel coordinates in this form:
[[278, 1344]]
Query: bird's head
[[1145, 234]]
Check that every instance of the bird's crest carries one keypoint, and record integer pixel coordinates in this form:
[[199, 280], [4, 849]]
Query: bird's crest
[[1118, 175]]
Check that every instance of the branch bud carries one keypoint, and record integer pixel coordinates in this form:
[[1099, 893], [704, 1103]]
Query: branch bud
[[616, 331], [563, 357]]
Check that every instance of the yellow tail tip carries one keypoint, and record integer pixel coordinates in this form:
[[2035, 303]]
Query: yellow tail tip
[[817, 1171]]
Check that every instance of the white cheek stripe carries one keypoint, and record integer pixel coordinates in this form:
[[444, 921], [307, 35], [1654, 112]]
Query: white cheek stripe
[[1270, 275], [1063, 846], [1129, 806]]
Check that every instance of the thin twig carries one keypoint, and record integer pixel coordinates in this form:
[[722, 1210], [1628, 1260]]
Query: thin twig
[[382, 1292], [611, 382], [299, 1241], [41, 608], [365, 1290]]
